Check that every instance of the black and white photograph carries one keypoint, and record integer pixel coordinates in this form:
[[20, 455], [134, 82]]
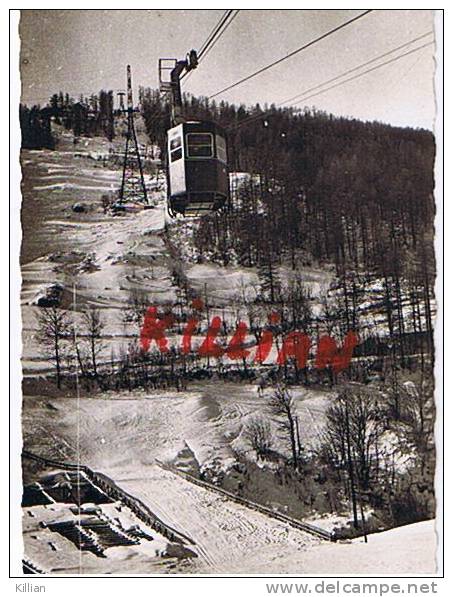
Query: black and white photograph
[[229, 277]]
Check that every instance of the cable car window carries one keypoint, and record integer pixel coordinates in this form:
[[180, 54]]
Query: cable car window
[[200, 145], [176, 155], [221, 148], [175, 143], [175, 149]]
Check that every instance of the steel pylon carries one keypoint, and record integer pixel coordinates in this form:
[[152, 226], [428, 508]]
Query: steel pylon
[[132, 183]]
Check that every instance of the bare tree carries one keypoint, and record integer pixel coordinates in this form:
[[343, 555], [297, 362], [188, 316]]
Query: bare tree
[[258, 434], [419, 411], [298, 298], [81, 356], [354, 427], [137, 305], [94, 326], [54, 333], [283, 408]]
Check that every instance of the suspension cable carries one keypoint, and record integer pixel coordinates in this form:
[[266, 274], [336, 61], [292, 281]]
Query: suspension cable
[[207, 50], [303, 95], [213, 38], [291, 54], [214, 32]]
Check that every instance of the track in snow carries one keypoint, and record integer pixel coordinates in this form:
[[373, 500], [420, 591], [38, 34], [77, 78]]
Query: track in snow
[[225, 533]]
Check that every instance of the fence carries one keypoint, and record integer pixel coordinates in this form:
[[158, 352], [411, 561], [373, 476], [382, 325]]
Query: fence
[[302, 526], [112, 490]]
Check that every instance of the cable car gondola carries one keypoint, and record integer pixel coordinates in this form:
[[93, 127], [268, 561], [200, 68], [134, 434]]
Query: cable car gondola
[[197, 171]]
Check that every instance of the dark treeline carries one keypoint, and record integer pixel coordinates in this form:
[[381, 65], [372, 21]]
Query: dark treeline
[[35, 128], [337, 190], [89, 116]]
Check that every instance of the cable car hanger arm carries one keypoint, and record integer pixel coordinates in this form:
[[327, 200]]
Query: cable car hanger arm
[[181, 66]]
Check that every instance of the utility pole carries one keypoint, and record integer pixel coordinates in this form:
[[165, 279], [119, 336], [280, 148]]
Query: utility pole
[[132, 183]]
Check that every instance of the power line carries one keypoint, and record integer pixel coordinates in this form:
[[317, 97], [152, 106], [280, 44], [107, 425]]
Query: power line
[[291, 54], [303, 95]]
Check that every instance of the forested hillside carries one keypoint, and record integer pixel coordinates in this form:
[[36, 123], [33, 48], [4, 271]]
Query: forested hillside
[[325, 191], [308, 189], [88, 116], [331, 189]]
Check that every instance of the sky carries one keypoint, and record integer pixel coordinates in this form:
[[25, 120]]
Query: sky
[[83, 51]]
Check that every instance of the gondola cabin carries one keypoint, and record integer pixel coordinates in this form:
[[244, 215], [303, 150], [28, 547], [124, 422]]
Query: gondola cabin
[[197, 168]]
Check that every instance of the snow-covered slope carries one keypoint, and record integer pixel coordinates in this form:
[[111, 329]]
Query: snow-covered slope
[[124, 435], [408, 550]]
